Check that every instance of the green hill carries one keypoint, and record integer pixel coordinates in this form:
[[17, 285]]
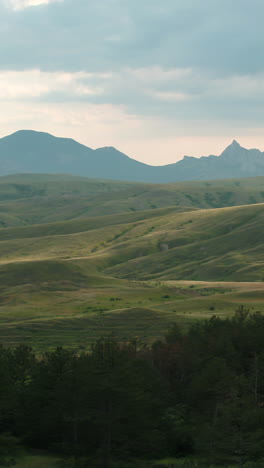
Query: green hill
[[134, 273], [217, 244], [33, 199], [212, 245]]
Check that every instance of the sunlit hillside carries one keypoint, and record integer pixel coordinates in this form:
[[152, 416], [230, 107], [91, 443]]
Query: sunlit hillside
[[132, 274]]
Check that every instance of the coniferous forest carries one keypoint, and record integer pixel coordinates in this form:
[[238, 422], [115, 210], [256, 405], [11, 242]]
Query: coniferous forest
[[197, 396]]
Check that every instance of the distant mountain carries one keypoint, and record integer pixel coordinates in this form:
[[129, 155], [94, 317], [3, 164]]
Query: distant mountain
[[27, 151]]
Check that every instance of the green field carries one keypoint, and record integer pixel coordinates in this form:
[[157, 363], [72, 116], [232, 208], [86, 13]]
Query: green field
[[133, 273], [26, 199]]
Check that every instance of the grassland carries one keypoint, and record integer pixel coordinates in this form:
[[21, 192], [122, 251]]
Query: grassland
[[132, 273], [26, 199], [221, 244]]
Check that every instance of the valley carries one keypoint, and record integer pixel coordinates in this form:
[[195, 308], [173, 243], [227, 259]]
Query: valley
[[129, 271]]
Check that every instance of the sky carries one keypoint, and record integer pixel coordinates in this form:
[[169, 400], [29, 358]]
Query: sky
[[157, 80]]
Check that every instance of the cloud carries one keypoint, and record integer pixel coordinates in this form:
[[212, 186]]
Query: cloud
[[172, 68], [169, 96], [181, 95], [22, 4], [33, 84], [76, 34]]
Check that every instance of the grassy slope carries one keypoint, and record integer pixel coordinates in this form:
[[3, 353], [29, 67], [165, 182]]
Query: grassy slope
[[220, 244], [27, 199], [68, 282], [224, 244], [83, 225]]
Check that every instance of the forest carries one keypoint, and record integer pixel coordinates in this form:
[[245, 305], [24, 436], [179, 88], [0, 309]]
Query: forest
[[196, 396]]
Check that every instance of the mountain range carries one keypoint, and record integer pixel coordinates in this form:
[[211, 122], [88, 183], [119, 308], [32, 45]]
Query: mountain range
[[28, 151]]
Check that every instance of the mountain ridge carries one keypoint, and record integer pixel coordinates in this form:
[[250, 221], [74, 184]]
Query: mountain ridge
[[29, 151]]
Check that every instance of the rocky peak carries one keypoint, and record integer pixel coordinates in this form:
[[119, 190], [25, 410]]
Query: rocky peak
[[233, 150]]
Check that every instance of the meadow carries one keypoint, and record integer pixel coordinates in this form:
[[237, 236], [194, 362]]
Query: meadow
[[26, 199], [162, 253]]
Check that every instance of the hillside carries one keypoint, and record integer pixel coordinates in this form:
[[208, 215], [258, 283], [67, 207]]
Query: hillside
[[27, 199], [83, 257], [134, 273], [28, 151], [218, 244]]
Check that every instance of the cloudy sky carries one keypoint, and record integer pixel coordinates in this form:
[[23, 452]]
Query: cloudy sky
[[156, 79]]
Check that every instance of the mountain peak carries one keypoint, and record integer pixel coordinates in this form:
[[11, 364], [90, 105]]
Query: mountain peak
[[233, 149], [235, 144], [28, 151]]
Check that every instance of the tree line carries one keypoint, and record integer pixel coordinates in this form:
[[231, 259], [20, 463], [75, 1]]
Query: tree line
[[195, 394]]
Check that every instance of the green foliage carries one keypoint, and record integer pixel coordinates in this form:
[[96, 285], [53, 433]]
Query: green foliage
[[195, 396], [8, 450], [174, 334]]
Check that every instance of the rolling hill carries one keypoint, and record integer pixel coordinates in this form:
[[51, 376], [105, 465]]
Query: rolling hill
[[83, 257], [27, 199], [27, 151], [218, 244], [133, 273]]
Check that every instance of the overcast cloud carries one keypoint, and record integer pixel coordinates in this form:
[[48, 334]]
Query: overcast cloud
[[156, 79]]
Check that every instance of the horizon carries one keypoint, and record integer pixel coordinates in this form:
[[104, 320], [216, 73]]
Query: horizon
[[131, 157], [158, 82]]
